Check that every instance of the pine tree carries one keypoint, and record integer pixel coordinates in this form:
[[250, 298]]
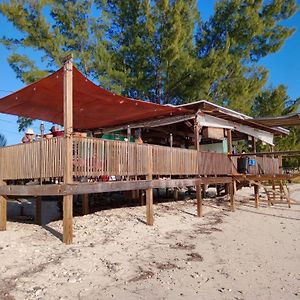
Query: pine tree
[[236, 37], [147, 49]]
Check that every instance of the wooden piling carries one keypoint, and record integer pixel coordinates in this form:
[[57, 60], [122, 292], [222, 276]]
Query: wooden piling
[[85, 204], [3, 213], [199, 200], [3, 210], [38, 210], [68, 219], [231, 194], [149, 192], [176, 194], [256, 193]]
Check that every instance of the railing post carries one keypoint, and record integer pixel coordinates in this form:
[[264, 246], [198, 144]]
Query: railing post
[[68, 131], [149, 191]]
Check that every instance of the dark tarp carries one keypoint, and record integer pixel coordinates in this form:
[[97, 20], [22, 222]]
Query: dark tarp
[[288, 120], [93, 106]]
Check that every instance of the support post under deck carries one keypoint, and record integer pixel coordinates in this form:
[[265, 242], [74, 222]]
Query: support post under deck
[[38, 210], [199, 200], [256, 193], [3, 213], [3, 210], [85, 204], [149, 192], [231, 193]]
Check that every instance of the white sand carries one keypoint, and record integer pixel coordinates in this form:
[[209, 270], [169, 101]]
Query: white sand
[[249, 254]]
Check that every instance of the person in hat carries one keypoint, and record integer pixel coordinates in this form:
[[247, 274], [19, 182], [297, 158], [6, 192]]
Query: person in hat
[[55, 132], [29, 136]]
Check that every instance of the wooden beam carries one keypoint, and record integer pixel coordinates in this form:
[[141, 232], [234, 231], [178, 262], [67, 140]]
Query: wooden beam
[[85, 204], [256, 193], [152, 123], [149, 191], [68, 132], [199, 200], [282, 153], [38, 210], [78, 188], [263, 177]]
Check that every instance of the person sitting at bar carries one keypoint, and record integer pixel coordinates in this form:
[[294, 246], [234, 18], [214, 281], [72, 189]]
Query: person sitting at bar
[[55, 132], [29, 136]]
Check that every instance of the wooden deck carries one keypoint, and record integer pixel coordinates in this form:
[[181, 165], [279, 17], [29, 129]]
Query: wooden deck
[[39, 169], [94, 158]]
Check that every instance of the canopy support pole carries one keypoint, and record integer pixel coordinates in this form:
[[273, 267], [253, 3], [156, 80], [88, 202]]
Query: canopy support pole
[[68, 131]]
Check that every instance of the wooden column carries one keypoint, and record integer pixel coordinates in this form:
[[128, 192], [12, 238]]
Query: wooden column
[[199, 200], [176, 194], [38, 210], [231, 194], [68, 131], [256, 193], [197, 129], [253, 144], [85, 204], [229, 141], [3, 210], [149, 192]]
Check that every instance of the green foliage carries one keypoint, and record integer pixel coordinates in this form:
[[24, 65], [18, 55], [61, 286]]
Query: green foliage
[[236, 37], [2, 140], [272, 102]]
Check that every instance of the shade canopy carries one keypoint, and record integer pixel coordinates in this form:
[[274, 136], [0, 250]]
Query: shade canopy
[[93, 106]]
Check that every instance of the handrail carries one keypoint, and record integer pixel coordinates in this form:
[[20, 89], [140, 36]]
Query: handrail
[[279, 153]]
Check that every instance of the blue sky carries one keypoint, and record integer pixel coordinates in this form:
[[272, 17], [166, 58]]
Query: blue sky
[[283, 66]]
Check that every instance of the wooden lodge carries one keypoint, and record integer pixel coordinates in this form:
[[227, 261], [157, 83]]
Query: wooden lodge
[[176, 146]]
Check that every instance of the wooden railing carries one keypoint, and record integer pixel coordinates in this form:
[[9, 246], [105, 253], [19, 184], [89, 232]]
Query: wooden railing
[[42, 159], [263, 165], [95, 157]]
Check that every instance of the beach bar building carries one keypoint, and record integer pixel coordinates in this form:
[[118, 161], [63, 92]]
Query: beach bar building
[[187, 145]]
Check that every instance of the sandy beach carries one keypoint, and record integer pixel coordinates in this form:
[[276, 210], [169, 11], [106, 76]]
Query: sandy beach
[[249, 254]]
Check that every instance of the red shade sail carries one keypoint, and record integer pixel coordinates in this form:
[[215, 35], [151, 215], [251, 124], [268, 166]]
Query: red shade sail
[[93, 106]]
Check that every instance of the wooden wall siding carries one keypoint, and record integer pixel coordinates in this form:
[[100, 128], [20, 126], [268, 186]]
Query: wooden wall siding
[[264, 165], [28, 161]]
